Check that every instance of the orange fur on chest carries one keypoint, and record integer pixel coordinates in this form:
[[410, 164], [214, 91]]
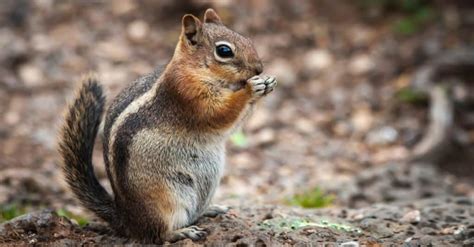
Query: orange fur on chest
[[213, 108]]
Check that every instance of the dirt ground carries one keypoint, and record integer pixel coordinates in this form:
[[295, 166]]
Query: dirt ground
[[341, 120], [440, 222]]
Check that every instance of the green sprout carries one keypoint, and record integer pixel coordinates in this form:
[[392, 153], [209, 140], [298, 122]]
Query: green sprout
[[79, 219], [413, 23], [10, 211], [414, 13], [315, 198], [417, 14], [239, 139], [409, 95]]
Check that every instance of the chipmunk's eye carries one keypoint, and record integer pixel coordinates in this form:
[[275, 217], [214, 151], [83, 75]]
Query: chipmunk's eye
[[224, 51]]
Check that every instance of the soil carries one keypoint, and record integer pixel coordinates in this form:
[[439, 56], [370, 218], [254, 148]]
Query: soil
[[439, 222], [339, 120]]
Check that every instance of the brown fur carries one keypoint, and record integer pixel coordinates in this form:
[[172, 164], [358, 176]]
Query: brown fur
[[76, 145], [164, 135], [201, 83]]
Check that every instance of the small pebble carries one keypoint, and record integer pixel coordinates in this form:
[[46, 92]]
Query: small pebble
[[138, 30], [31, 75], [350, 244], [411, 217]]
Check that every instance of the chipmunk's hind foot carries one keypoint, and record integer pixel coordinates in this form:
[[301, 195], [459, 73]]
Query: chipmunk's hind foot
[[192, 232]]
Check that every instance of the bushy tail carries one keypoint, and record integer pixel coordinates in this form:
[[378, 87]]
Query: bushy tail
[[76, 143]]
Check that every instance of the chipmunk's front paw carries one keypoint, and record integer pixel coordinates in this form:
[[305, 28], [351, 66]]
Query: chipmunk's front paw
[[262, 85]]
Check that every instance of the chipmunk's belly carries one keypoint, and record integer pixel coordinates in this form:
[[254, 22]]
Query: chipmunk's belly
[[191, 169]]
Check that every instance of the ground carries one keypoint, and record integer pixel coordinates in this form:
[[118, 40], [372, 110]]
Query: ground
[[344, 121], [439, 222]]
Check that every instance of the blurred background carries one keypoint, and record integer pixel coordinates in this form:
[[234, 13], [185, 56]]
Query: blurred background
[[349, 124]]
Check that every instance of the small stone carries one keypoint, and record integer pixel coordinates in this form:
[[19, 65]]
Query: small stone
[[305, 126], [411, 217], [350, 244], [138, 30], [450, 230], [265, 136], [310, 231], [318, 59], [360, 64], [362, 119], [383, 136], [31, 75], [357, 216], [459, 233]]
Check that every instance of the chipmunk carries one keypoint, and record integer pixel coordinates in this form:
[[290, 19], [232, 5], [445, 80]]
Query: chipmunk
[[164, 136]]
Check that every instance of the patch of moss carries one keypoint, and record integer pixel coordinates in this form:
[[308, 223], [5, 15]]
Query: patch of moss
[[79, 219], [10, 211], [409, 95], [414, 14], [315, 198], [295, 223], [413, 22]]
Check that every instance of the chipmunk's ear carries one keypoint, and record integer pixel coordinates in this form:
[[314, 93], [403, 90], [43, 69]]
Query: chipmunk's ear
[[191, 29], [211, 17]]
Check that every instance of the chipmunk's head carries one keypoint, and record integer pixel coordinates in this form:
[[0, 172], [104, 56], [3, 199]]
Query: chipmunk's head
[[216, 54]]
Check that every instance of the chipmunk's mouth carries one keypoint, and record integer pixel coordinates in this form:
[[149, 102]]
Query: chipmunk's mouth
[[236, 86]]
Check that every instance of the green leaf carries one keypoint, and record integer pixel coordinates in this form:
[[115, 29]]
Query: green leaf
[[239, 139], [10, 211], [409, 95], [423, 14], [315, 198], [406, 26], [80, 220]]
